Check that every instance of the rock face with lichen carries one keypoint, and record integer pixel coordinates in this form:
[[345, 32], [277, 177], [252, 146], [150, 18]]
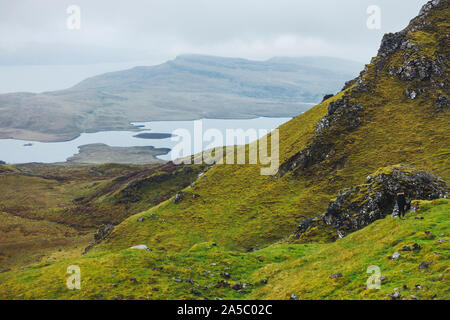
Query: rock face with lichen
[[414, 59], [359, 206], [343, 116]]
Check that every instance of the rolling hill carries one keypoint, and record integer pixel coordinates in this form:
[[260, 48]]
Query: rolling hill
[[229, 235], [186, 88]]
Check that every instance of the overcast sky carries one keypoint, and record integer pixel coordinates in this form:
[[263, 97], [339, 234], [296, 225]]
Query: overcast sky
[[119, 34], [137, 29]]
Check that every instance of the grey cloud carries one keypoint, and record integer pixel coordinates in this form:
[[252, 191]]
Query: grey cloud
[[117, 30]]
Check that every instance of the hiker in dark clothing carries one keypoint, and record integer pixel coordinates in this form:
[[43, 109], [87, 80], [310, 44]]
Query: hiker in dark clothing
[[401, 202]]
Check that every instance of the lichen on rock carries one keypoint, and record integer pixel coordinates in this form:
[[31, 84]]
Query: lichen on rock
[[359, 206]]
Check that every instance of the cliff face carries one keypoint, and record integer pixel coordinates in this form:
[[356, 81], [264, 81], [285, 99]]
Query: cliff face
[[356, 207], [414, 60]]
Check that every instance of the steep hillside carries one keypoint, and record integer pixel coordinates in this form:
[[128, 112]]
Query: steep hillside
[[371, 124], [284, 271], [240, 209], [188, 87]]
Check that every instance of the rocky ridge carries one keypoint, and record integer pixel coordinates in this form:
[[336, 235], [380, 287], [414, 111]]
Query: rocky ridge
[[358, 206]]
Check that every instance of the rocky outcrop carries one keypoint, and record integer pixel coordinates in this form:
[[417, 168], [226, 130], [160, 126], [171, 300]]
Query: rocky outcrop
[[343, 117], [359, 206], [327, 96], [428, 6], [419, 62], [416, 56], [441, 103], [178, 197], [102, 233]]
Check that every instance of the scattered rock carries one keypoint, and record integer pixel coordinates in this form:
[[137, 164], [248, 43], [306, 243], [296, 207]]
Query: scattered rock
[[237, 286], [225, 275], [411, 94], [335, 275], [396, 295], [194, 292], [189, 281], [178, 197], [383, 279], [102, 233], [327, 96], [141, 247], [441, 103], [293, 297], [222, 284], [141, 219], [395, 256], [415, 246], [424, 265], [176, 279], [413, 297]]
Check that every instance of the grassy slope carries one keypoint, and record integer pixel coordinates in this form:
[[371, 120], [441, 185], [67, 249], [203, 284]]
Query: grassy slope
[[309, 276], [50, 210], [302, 269], [240, 209]]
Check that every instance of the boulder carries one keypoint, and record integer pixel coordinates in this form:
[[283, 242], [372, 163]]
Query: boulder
[[237, 286], [178, 197], [327, 96], [141, 247], [414, 247], [102, 233], [359, 206], [428, 6], [395, 256], [441, 103]]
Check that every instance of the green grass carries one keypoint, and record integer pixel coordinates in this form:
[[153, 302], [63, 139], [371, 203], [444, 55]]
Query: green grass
[[309, 277], [239, 209], [274, 272], [52, 211]]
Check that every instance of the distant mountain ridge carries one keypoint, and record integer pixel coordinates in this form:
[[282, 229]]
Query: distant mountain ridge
[[188, 87]]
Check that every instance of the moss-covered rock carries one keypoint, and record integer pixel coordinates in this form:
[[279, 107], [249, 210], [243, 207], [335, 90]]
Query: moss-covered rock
[[359, 206]]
